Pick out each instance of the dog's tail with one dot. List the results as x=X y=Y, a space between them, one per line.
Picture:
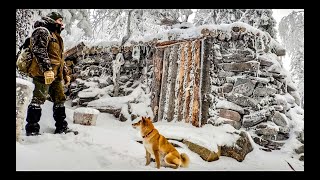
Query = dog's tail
x=184 y=160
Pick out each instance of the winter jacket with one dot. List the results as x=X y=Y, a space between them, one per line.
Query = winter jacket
x=47 y=50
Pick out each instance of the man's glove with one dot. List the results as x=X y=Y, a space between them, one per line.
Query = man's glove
x=67 y=80
x=48 y=77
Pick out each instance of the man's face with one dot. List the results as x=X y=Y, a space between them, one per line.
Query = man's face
x=59 y=21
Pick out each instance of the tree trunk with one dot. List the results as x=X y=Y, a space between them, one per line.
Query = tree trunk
x=180 y=98
x=157 y=62
x=164 y=82
x=187 y=82
x=196 y=87
x=205 y=84
x=127 y=36
x=172 y=82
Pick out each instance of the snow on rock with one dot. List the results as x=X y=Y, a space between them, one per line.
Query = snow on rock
x=86 y=110
x=208 y=136
x=24 y=92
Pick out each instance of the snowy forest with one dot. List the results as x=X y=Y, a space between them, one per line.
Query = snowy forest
x=212 y=82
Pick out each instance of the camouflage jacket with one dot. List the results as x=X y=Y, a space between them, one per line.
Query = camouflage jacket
x=47 y=49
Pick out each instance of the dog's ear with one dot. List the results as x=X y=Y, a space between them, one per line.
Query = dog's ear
x=143 y=118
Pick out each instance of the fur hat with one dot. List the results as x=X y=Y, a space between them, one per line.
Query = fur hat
x=54 y=15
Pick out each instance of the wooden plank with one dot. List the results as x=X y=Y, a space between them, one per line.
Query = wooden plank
x=156 y=84
x=167 y=43
x=196 y=87
x=187 y=83
x=163 y=83
x=172 y=82
x=207 y=54
x=181 y=78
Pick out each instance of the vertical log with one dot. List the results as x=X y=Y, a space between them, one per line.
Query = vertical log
x=187 y=83
x=196 y=87
x=157 y=62
x=205 y=78
x=163 y=83
x=181 y=78
x=172 y=81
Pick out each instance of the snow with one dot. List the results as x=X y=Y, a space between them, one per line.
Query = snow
x=25 y=82
x=87 y=94
x=290 y=99
x=111 y=146
x=116 y=101
x=224 y=104
x=85 y=110
x=140 y=109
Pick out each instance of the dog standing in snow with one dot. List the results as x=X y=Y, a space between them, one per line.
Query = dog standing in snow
x=159 y=147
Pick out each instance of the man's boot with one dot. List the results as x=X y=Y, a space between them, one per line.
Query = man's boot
x=33 y=117
x=59 y=115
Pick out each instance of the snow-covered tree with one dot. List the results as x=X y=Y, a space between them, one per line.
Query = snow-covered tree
x=217 y=16
x=291 y=32
x=79 y=16
x=261 y=19
x=23 y=25
x=112 y=24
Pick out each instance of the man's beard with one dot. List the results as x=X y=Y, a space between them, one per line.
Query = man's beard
x=59 y=28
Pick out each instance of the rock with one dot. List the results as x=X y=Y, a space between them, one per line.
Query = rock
x=204 y=153
x=238 y=67
x=133 y=116
x=284 y=130
x=75 y=102
x=124 y=114
x=280 y=119
x=85 y=116
x=109 y=80
x=268 y=143
x=276 y=137
x=280 y=100
x=301 y=157
x=275 y=69
x=278 y=108
x=235 y=124
x=291 y=87
x=260 y=80
x=238 y=57
x=103 y=84
x=225 y=74
x=289 y=98
x=226 y=88
x=261 y=126
x=243 y=86
x=300 y=149
x=264 y=91
x=111 y=110
x=266 y=131
x=265 y=61
x=129 y=84
x=301 y=137
x=223 y=104
x=296 y=97
x=254 y=118
x=240 y=149
x=229 y=114
x=242 y=100
x=24 y=91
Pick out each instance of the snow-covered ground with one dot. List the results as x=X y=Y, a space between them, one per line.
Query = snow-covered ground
x=111 y=146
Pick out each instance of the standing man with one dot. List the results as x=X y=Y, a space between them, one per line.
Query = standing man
x=48 y=72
